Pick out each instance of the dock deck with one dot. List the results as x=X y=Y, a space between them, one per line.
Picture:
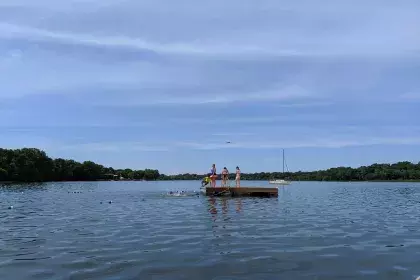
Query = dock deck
x=242 y=191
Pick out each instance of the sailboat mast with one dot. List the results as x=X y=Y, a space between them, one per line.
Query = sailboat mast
x=283 y=161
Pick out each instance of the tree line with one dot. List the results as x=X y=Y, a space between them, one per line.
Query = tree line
x=33 y=165
x=401 y=171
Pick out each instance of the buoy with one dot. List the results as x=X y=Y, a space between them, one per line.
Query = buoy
x=110 y=201
x=10 y=207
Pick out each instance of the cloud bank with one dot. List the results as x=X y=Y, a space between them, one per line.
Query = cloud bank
x=112 y=76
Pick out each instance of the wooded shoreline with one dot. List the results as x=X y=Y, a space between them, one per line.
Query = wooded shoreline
x=33 y=165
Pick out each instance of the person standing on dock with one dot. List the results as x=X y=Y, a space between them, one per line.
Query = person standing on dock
x=238 y=177
x=213 y=175
x=225 y=176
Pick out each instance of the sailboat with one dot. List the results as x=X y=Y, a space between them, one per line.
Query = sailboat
x=280 y=181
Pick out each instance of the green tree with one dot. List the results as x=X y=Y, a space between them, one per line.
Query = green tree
x=3 y=174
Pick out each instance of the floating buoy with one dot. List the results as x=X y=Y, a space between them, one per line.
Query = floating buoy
x=110 y=201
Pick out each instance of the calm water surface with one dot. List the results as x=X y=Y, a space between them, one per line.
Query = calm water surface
x=311 y=231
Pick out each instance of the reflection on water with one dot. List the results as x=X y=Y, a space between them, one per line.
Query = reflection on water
x=212 y=207
x=224 y=202
x=238 y=203
x=311 y=231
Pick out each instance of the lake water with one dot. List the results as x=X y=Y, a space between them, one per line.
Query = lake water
x=312 y=230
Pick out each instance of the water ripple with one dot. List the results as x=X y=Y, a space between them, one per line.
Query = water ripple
x=311 y=231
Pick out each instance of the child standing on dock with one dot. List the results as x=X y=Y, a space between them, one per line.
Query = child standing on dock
x=238 y=177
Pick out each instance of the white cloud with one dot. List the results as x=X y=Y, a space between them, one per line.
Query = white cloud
x=253 y=120
x=85 y=48
x=232 y=134
x=310 y=137
x=338 y=140
x=13 y=120
x=112 y=147
x=240 y=29
x=280 y=93
x=304 y=104
x=307 y=143
x=10 y=31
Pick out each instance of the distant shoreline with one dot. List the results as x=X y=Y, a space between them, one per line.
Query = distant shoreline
x=256 y=180
x=33 y=165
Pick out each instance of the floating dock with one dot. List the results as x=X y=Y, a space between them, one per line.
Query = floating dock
x=242 y=191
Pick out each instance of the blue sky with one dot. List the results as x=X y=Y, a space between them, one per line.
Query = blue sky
x=163 y=84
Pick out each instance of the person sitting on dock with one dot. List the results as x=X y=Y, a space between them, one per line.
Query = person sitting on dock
x=225 y=176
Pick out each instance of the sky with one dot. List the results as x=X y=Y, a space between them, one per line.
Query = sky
x=164 y=84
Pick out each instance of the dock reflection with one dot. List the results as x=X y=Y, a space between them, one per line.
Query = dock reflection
x=224 y=205
x=222 y=211
x=238 y=203
x=212 y=206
